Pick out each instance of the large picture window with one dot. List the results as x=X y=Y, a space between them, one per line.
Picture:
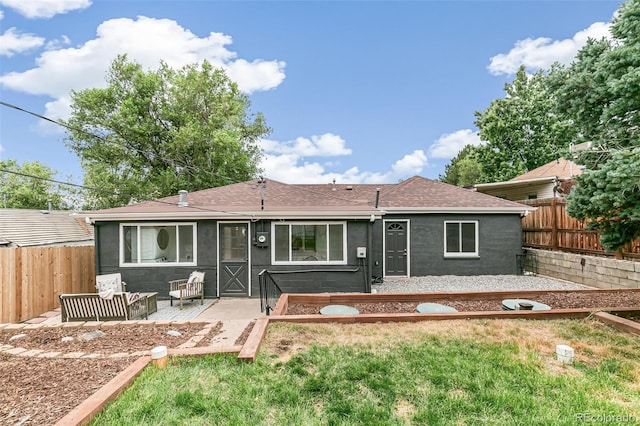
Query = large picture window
x=461 y=239
x=157 y=244
x=310 y=243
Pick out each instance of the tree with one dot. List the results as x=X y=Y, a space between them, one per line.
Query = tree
x=464 y=169
x=601 y=92
x=151 y=134
x=524 y=130
x=609 y=197
x=19 y=190
x=581 y=91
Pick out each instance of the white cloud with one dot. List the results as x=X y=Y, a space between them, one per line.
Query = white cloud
x=542 y=52
x=257 y=75
x=285 y=161
x=12 y=42
x=45 y=8
x=327 y=145
x=448 y=145
x=144 y=40
x=1 y=15
x=58 y=43
x=410 y=164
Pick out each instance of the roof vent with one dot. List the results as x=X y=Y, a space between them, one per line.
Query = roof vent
x=349 y=187
x=182 y=202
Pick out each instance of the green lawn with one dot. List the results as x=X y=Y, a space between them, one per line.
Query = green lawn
x=443 y=373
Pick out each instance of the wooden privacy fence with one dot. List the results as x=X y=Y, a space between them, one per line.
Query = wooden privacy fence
x=31 y=278
x=551 y=228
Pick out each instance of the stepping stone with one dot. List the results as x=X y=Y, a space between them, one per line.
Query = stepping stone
x=514 y=305
x=434 y=308
x=339 y=310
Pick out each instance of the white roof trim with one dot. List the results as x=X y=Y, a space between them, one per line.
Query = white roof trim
x=522 y=182
x=458 y=210
x=163 y=216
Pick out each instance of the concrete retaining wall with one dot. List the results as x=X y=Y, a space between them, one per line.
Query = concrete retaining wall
x=599 y=272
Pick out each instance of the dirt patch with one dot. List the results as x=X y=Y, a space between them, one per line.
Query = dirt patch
x=113 y=339
x=40 y=391
x=571 y=300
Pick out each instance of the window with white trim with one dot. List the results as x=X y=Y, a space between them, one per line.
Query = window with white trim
x=157 y=244
x=461 y=238
x=305 y=242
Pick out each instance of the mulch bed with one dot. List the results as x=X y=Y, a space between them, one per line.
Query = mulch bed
x=573 y=300
x=40 y=391
x=245 y=334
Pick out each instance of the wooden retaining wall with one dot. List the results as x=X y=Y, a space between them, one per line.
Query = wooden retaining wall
x=250 y=349
x=31 y=278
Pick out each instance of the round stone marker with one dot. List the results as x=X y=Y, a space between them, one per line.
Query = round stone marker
x=434 y=308
x=514 y=304
x=339 y=310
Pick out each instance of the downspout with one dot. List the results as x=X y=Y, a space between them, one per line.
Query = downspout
x=96 y=232
x=368 y=268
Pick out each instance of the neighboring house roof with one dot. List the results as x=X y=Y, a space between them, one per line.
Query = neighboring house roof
x=557 y=173
x=276 y=199
x=23 y=228
x=560 y=168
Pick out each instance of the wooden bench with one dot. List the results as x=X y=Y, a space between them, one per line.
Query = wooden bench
x=92 y=307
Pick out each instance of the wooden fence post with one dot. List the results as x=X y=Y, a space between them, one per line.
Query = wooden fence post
x=554 y=225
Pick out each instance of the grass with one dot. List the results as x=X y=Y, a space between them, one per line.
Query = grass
x=434 y=373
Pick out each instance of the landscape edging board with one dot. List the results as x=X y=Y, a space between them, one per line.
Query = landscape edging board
x=90 y=407
x=619 y=323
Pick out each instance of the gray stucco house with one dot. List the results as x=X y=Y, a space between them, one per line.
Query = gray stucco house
x=318 y=238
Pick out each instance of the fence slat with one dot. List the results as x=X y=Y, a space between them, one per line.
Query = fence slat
x=31 y=278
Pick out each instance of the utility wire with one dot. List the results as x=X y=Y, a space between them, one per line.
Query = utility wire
x=104 y=191
x=168 y=161
x=106 y=140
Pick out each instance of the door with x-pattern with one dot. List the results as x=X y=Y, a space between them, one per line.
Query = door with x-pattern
x=234 y=259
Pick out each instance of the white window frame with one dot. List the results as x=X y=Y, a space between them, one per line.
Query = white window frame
x=309 y=262
x=194 y=259
x=475 y=253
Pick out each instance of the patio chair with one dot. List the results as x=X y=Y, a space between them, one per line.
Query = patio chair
x=190 y=288
x=110 y=282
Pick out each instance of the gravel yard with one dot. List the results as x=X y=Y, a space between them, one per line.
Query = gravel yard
x=478 y=283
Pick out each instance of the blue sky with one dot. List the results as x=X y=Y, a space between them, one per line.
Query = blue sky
x=356 y=91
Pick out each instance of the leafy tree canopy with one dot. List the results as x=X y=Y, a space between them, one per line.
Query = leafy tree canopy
x=18 y=190
x=149 y=134
x=464 y=169
x=523 y=130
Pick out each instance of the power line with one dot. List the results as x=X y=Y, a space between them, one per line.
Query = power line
x=155 y=200
x=168 y=161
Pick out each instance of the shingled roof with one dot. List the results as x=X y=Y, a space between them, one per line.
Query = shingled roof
x=560 y=168
x=277 y=199
x=23 y=228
